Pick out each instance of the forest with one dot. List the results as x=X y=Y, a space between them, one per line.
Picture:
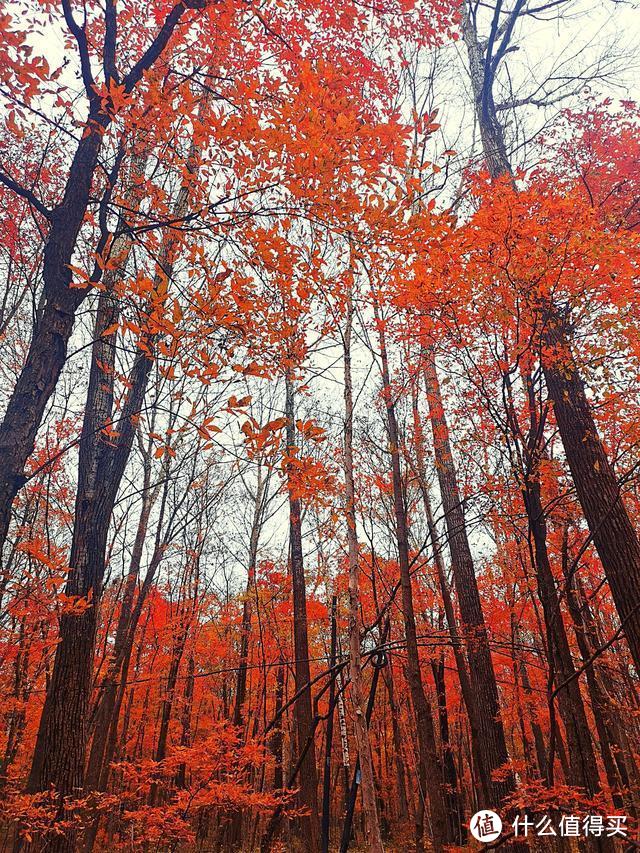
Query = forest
x=320 y=426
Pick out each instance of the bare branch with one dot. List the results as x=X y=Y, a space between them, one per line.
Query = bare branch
x=25 y=193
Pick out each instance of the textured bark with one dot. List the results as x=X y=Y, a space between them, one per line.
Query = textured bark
x=430 y=771
x=456 y=643
x=603 y=712
x=326 y=782
x=597 y=486
x=303 y=711
x=48 y=349
x=492 y=745
x=373 y=838
x=59 y=755
x=491 y=130
x=582 y=759
x=455 y=807
x=245 y=629
x=403 y=805
x=277 y=739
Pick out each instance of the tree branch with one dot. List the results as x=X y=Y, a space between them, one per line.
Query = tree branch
x=110 y=41
x=23 y=192
x=80 y=36
x=160 y=41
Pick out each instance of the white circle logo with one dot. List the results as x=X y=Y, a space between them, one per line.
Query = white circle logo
x=485 y=826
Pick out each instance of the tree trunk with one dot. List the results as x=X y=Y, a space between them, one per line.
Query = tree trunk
x=303 y=711
x=48 y=349
x=491 y=131
x=344 y=738
x=491 y=744
x=617 y=775
x=531 y=704
x=102 y=714
x=455 y=808
x=59 y=754
x=403 y=805
x=597 y=487
x=430 y=771
x=326 y=782
x=277 y=738
x=245 y=630
x=443 y=584
x=167 y=709
x=185 y=736
x=582 y=760
x=373 y=838
x=59 y=758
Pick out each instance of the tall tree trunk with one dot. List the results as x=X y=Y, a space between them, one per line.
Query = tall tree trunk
x=582 y=760
x=430 y=771
x=603 y=713
x=403 y=805
x=167 y=709
x=526 y=745
x=48 y=349
x=303 y=710
x=106 y=713
x=59 y=754
x=583 y=768
x=245 y=630
x=492 y=745
x=326 y=781
x=344 y=738
x=103 y=708
x=373 y=838
x=443 y=584
x=186 y=614
x=16 y=717
x=491 y=130
x=277 y=738
x=455 y=809
x=597 y=486
x=354 y=784
x=522 y=674
x=185 y=735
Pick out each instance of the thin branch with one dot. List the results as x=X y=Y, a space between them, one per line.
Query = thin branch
x=160 y=42
x=80 y=36
x=23 y=192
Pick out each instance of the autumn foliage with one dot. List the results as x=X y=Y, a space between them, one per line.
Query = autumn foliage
x=318 y=461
